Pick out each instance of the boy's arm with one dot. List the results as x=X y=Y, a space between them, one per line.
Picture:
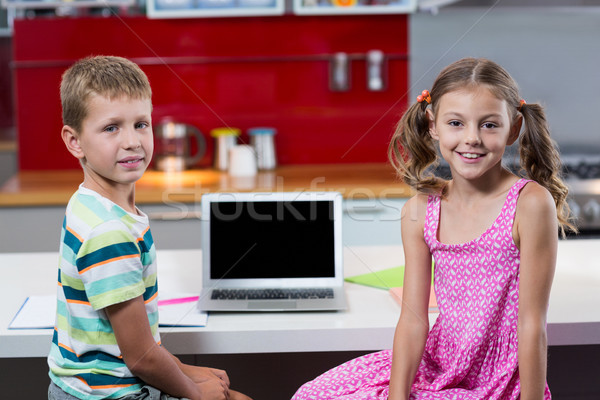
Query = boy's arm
x=413 y=326
x=537 y=238
x=150 y=362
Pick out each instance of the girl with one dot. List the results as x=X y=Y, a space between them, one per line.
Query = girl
x=493 y=238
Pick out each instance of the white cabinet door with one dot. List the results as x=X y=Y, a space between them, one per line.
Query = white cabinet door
x=372 y=221
x=177 y=226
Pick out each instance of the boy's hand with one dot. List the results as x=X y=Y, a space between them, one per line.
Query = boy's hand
x=213 y=389
x=203 y=374
x=233 y=395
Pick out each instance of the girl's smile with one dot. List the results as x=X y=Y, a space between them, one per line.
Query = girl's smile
x=471 y=157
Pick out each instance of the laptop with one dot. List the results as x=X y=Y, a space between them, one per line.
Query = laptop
x=275 y=251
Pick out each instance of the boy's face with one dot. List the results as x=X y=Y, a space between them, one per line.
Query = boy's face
x=115 y=140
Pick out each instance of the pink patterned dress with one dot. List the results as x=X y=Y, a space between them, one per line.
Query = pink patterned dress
x=471 y=351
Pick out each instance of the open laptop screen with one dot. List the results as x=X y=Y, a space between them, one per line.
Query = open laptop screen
x=272 y=239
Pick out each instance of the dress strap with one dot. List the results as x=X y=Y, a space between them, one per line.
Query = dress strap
x=432 y=219
x=510 y=205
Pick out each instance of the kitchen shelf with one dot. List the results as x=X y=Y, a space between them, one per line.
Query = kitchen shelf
x=213 y=8
x=346 y=7
x=34 y=4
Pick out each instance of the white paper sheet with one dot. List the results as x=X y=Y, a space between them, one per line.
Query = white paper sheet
x=39 y=312
x=183 y=310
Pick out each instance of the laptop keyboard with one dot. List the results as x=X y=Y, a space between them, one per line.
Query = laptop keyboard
x=270 y=294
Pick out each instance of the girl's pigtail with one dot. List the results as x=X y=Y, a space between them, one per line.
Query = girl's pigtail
x=412 y=150
x=541 y=162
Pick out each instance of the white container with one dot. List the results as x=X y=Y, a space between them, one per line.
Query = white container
x=242 y=161
x=263 y=142
x=225 y=139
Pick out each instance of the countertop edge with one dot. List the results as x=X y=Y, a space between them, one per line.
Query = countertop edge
x=369 y=181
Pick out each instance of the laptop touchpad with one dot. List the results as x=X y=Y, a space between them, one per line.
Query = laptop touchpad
x=272 y=305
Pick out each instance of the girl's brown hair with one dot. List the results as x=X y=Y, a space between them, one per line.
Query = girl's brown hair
x=412 y=150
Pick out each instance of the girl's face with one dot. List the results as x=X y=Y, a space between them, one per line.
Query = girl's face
x=473 y=128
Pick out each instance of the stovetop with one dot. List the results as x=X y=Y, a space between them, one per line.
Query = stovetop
x=581 y=166
x=582 y=176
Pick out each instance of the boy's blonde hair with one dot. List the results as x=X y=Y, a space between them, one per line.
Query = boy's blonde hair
x=107 y=76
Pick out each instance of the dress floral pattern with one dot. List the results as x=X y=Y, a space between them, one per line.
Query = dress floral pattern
x=471 y=351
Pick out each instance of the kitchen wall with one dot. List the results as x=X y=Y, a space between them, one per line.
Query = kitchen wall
x=6 y=101
x=553 y=53
x=242 y=72
x=554 y=66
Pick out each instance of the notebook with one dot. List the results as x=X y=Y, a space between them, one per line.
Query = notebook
x=275 y=251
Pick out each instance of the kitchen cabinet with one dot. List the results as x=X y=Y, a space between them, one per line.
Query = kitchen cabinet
x=205 y=72
x=345 y=7
x=32 y=204
x=373 y=221
x=242 y=8
x=48 y=4
x=8 y=162
x=177 y=226
x=213 y=8
x=26 y=229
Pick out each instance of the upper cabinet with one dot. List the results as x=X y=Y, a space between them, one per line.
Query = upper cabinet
x=236 y=8
x=213 y=8
x=40 y=4
x=341 y=7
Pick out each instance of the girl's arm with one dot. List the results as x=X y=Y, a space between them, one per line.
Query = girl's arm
x=413 y=325
x=152 y=363
x=536 y=235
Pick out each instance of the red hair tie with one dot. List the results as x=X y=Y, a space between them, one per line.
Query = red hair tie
x=424 y=96
x=521 y=103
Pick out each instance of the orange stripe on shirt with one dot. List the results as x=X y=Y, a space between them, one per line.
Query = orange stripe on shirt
x=70 y=350
x=73 y=301
x=151 y=298
x=74 y=234
x=108 y=261
x=141 y=238
x=123 y=385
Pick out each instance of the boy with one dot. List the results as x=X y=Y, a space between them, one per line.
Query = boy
x=106 y=342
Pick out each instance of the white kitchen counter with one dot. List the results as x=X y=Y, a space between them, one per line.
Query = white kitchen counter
x=573 y=317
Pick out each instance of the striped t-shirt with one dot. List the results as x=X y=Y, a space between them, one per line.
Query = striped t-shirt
x=107 y=256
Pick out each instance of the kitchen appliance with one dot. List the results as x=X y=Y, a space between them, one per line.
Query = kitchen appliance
x=173 y=144
x=263 y=141
x=581 y=173
x=242 y=160
x=375 y=70
x=225 y=138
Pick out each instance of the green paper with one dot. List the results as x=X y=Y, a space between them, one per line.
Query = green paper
x=384 y=279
